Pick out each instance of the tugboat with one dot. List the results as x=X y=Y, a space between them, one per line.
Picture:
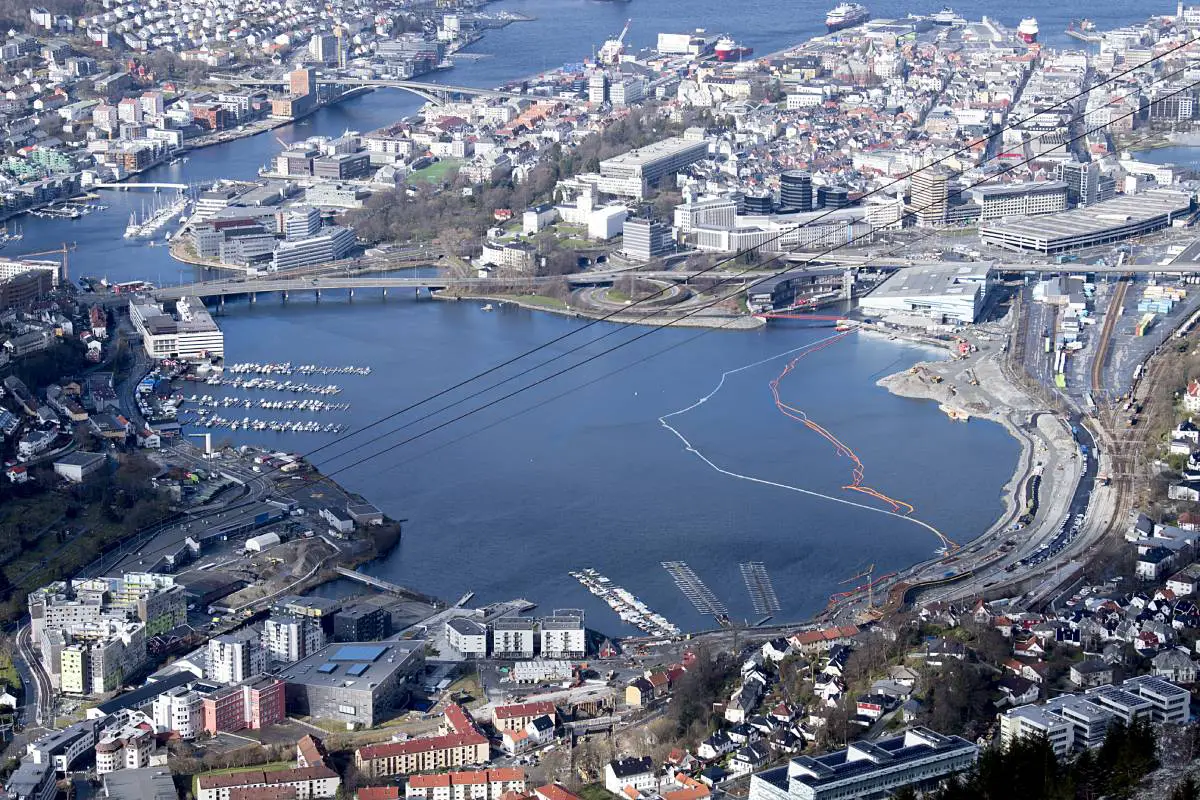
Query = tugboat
x=846 y=15
x=1028 y=30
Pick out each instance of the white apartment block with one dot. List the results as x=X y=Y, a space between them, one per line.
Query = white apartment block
x=289 y=639
x=563 y=635
x=179 y=710
x=512 y=637
x=467 y=637
x=234 y=657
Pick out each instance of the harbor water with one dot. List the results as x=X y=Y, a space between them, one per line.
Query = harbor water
x=507 y=504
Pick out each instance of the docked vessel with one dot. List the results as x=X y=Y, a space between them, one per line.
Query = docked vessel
x=729 y=50
x=846 y=15
x=1084 y=30
x=947 y=16
x=1027 y=31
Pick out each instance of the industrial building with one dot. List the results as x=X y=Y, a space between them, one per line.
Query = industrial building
x=946 y=293
x=187 y=332
x=1103 y=223
x=354 y=682
x=918 y=758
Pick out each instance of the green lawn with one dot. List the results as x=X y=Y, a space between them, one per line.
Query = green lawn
x=435 y=173
x=542 y=300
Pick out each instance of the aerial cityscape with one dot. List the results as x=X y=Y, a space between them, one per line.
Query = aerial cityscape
x=599 y=400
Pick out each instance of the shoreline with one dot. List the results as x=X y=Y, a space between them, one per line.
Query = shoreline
x=740 y=323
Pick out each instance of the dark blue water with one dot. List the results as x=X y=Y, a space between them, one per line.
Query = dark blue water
x=505 y=503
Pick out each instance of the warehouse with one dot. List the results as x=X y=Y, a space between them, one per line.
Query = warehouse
x=353 y=682
x=1109 y=221
x=946 y=293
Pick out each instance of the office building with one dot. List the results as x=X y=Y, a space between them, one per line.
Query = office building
x=632 y=173
x=512 y=637
x=187 y=332
x=795 y=191
x=709 y=212
x=645 y=239
x=918 y=758
x=1083 y=181
x=64 y=748
x=362 y=623
x=833 y=197
x=300 y=222
x=332 y=244
x=1072 y=722
x=253 y=704
x=929 y=193
x=32 y=781
x=563 y=635
x=626 y=91
x=1105 y=222
x=153 y=783
x=287 y=638
x=234 y=657
x=598 y=88
x=1024 y=199
x=342 y=166
x=467 y=637
x=354 y=682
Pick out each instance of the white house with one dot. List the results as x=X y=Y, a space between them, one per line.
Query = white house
x=636 y=772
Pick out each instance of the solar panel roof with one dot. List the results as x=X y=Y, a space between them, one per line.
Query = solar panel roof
x=359 y=652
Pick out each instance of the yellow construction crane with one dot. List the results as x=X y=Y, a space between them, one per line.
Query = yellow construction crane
x=61 y=251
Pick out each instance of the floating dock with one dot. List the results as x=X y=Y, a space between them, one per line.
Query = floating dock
x=759 y=587
x=694 y=589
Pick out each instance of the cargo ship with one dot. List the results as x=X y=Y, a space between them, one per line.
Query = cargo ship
x=846 y=15
x=1028 y=30
x=729 y=50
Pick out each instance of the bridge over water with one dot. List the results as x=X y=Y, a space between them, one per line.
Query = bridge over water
x=434 y=92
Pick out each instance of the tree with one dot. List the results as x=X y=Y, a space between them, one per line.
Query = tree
x=1186 y=790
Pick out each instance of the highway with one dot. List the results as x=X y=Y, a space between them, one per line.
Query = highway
x=39 y=693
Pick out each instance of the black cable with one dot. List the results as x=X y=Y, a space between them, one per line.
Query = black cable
x=625 y=309
x=616 y=312
x=691 y=313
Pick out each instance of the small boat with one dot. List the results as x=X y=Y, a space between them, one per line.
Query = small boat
x=487 y=307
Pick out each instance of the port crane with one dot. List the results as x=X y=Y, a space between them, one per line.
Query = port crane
x=612 y=50
x=60 y=251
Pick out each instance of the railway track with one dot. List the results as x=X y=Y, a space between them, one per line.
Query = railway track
x=1110 y=322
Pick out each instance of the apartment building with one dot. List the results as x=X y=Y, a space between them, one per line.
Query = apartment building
x=488 y=784
x=234 y=657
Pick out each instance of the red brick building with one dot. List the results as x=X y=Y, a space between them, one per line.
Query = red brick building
x=254 y=704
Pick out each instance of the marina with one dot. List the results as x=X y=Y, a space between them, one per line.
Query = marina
x=208 y=401
x=695 y=590
x=759 y=587
x=204 y=420
x=161 y=217
x=67 y=210
x=271 y=385
x=286 y=368
x=628 y=607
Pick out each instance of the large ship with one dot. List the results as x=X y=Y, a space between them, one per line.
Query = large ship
x=1027 y=31
x=846 y=15
x=1084 y=30
x=729 y=50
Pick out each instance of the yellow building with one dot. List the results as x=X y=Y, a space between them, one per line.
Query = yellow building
x=74 y=670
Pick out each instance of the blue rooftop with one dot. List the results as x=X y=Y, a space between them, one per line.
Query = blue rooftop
x=327 y=668
x=357 y=669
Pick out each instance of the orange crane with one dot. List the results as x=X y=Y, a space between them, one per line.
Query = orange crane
x=61 y=251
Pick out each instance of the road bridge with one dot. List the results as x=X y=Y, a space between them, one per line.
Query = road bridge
x=438 y=93
x=125 y=185
x=386 y=586
x=482 y=286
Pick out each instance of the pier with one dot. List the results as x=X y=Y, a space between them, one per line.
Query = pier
x=386 y=586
